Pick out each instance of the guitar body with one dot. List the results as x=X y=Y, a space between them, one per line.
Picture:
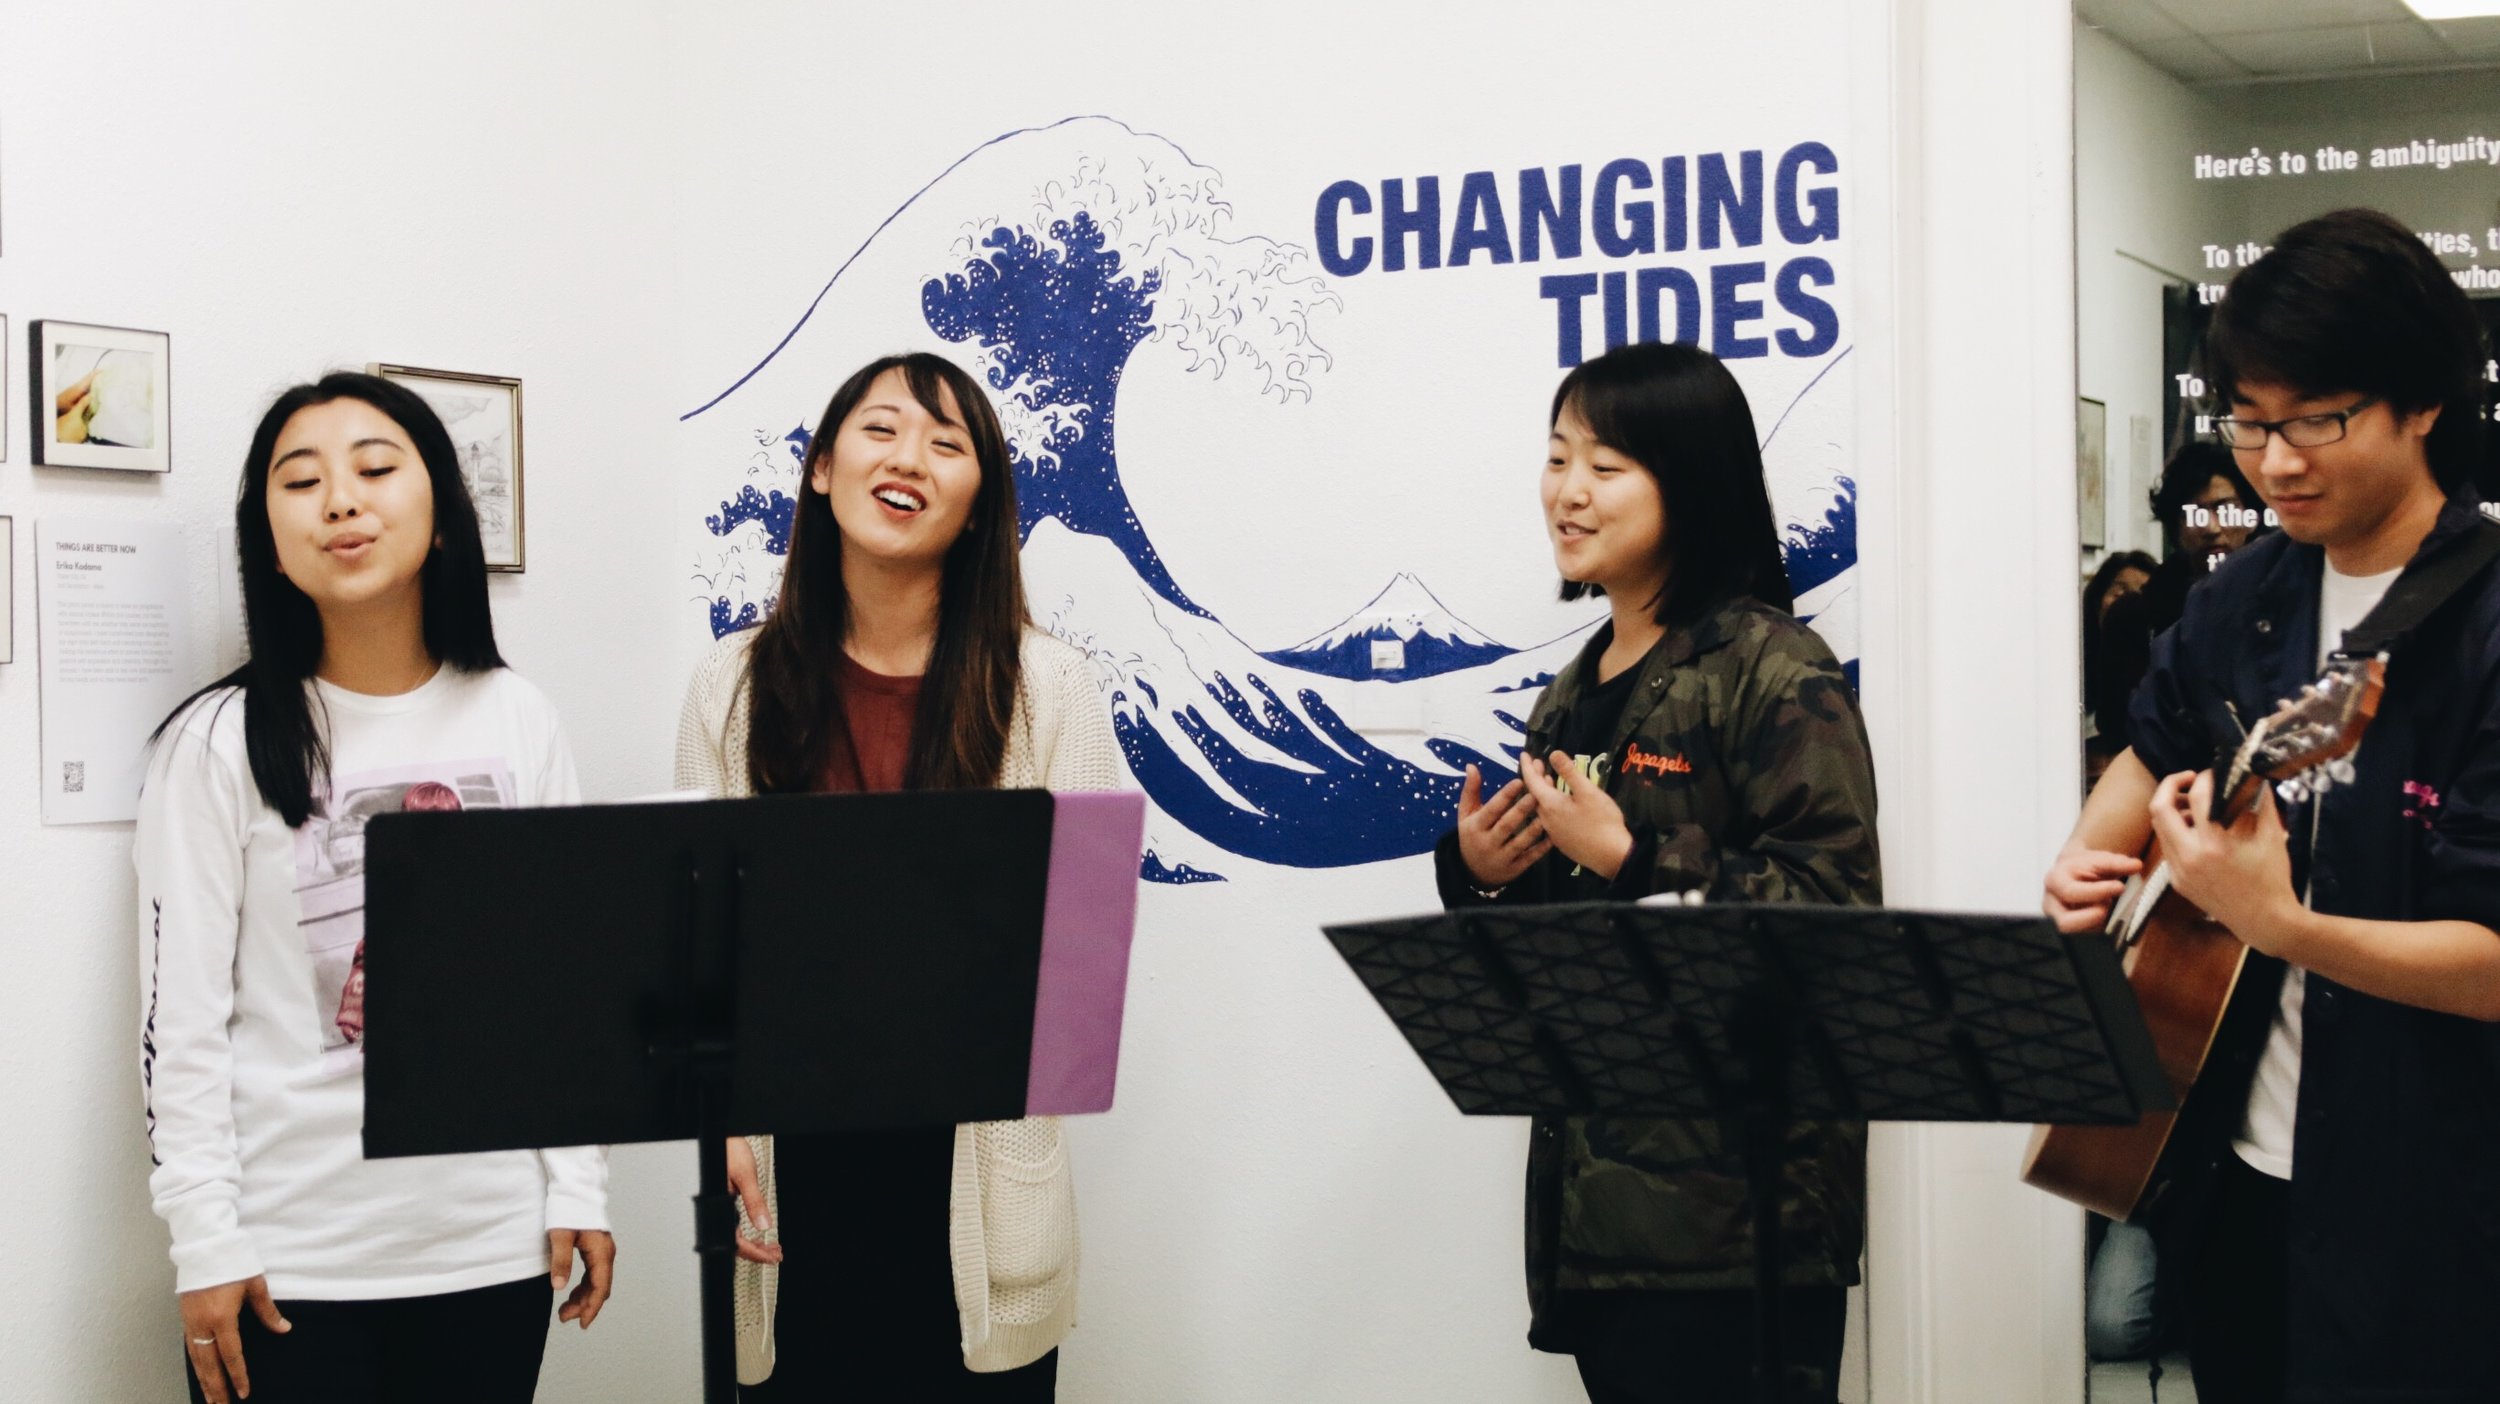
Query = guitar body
x=2184 y=968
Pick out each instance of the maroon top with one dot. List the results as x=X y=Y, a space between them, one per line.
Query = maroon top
x=880 y=711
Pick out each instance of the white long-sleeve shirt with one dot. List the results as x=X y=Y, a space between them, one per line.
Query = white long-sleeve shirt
x=252 y=1004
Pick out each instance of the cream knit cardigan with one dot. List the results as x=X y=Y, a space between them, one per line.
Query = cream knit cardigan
x=1011 y=1225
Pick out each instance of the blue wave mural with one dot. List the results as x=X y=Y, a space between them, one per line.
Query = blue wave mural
x=1060 y=321
x=1249 y=750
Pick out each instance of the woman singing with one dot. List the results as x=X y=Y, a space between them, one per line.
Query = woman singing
x=934 y=1263
x=307 y=1272
x=1704 y=744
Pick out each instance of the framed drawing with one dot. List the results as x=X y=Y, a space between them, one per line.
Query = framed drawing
x=483 y=415
x=102 y=397
x=2092 y=471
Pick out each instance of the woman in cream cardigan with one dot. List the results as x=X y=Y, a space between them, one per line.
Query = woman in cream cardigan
x=937 y=1263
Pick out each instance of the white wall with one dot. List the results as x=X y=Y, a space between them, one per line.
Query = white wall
x=513 y=191
x=2140 y=225
x=1976 y=1282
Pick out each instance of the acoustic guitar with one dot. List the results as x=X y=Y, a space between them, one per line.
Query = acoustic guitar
x=2184 y=966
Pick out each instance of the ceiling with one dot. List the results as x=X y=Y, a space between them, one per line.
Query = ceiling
x=2273 y=41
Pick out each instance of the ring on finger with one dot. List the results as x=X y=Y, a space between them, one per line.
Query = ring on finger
x=197 y=1341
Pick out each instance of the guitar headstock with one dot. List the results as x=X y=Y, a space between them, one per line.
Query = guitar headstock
x=2306 y=744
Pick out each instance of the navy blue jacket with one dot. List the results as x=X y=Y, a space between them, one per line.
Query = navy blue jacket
x=2395 y=1198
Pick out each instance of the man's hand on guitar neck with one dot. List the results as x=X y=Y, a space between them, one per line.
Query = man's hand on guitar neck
x=2239 y=874
x=2081 y=885
x=2099 y=857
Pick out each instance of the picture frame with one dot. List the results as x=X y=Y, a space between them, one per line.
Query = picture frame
x=2092 y=472
x=100 y=397
x=483 y=415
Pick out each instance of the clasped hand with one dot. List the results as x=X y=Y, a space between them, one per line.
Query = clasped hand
x=598 y=1253
x=1499 y=838
x=755 y=1244
x=1584 y=822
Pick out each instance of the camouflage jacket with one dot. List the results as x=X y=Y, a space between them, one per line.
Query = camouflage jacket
x=1742 y=767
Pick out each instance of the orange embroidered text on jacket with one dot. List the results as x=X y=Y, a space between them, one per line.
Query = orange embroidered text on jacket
x=1636 y=761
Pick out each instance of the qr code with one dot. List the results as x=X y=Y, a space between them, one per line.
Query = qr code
x=73 y=777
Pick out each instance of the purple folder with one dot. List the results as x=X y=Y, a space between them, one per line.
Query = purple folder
x=1087 y=921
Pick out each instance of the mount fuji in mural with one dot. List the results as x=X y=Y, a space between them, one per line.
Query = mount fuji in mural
x=1347 y=747
x=1422 y=638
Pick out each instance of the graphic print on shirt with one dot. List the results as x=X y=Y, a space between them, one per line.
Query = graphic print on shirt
x=1595 y=767
x=330 y=878
x=147 y=1030
x=2421 y=804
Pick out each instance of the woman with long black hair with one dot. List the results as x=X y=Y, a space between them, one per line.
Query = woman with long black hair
x=373 y=684
x=1704 y=744
x=938 y=1263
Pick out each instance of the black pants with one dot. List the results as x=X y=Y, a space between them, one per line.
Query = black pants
x=1698 y=1347
x=477 y=1347
x=2238 y=1320
x=867 y=1303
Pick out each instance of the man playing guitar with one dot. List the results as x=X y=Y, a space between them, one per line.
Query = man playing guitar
x=2340 y=1225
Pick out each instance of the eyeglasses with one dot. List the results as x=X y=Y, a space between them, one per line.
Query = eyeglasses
x=2307 y=431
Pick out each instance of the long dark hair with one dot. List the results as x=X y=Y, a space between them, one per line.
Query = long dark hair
x=2354 y=301
x=797 y=731
x=2093 y=589
x=282 y=626
x=2104 y=577
x=1674 y=409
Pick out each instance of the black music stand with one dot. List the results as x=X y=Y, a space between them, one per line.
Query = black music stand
x=654 y=972
x=1751 y=1015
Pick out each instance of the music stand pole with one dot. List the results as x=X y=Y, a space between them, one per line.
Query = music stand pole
x=1758 y=1124
x=709 y=1051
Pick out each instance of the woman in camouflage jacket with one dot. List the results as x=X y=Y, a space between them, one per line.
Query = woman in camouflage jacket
x=1721 y=755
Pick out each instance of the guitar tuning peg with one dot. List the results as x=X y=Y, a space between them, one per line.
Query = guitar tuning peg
x=2321 y=782
x=2292 y=792
x=2342 y=769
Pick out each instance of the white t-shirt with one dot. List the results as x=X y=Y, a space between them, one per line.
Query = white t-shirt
x=2265 y=1139
x=252 y=1004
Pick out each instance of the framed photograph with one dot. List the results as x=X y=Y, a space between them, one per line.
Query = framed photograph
x=2092 y=472
x=102 y=397
x=483 y=413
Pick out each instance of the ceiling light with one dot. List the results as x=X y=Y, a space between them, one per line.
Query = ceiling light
x=2453 y=9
